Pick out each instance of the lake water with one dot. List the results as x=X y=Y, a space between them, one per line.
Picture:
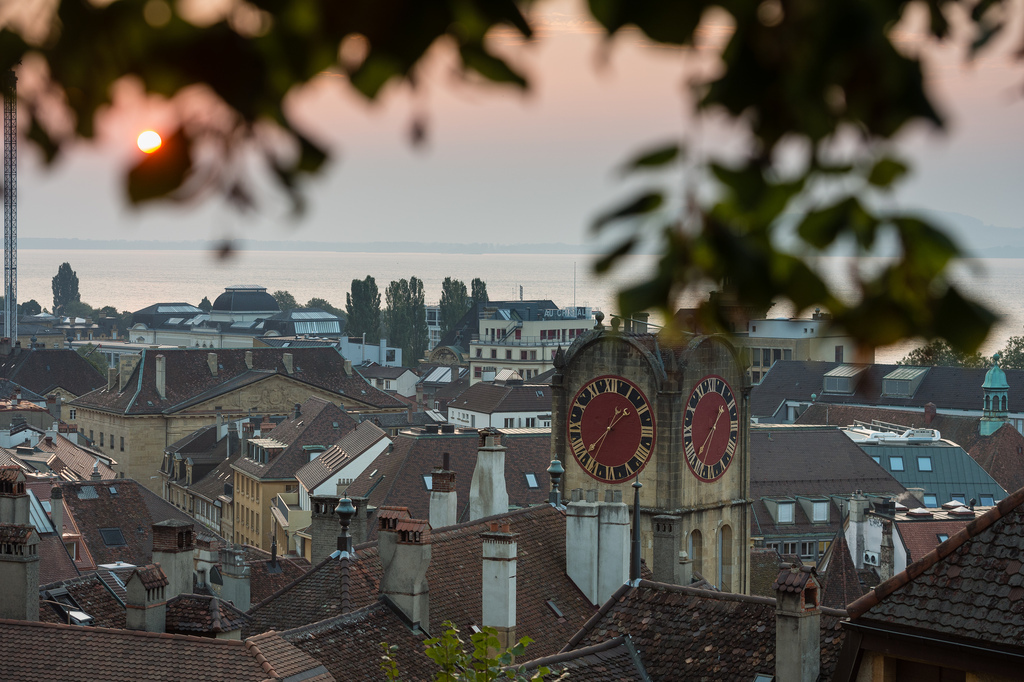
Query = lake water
x=131 y=280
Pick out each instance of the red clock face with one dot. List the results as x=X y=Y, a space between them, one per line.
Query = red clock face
x=710 y=428
x=611 y=429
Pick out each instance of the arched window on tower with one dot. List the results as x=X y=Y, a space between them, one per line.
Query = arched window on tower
x=988 y=402
x=1003 y=401
x=695 y=548
x=725 y=560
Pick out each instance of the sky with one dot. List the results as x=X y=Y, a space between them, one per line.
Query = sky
x=501 y=166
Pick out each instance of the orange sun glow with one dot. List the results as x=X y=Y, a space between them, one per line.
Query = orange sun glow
x=149 y=141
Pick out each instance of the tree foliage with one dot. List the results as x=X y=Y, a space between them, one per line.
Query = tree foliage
x=483 y=660
x=205 y=305
x=324 y=305
x=405 y=319
x=938 y=353
x=362 y=305
x=478 y=290
x=97 y=360
x=419 y=334
x=792 y=77
x=285 y=300
x=1012 y=354
x=31 y=307
x=65 y=288
x=454 y=303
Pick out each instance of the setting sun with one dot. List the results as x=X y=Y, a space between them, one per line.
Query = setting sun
x=149 y=141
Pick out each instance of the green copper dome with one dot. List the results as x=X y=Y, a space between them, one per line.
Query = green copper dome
x=996 y=377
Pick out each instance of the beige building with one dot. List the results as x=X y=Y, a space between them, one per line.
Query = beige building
x=157 y=398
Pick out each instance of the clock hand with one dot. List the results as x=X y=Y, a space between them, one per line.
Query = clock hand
x=711 y=433
x=619 y=414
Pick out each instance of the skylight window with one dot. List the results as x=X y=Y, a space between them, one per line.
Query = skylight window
x=112 y=537
x=931 y=500
x=924 y=463
x=942 y=537
x=959 y=497
x=987 y=500
x=428 y=481
x=896 y=463
x=531 y=481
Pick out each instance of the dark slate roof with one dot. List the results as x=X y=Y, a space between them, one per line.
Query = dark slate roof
x=245 y=298
x=487 y=398
x=382 y=371
x=11 y=389
x=616 y=659
x=349 y=645
x=133 y=510
x=199 y=614
x=950 y=388
x=454 y=578
x=398 y=420
x=970 y=588
x=396 y=476
x=319 y=423
x=998 y=454
x=682 y=632
x=44 y=370
x=81 y=653
x=787 y=461
x=841 y=584
x=189 y=380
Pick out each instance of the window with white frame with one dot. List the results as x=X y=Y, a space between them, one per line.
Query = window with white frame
x=820 y=511
x=786 y=513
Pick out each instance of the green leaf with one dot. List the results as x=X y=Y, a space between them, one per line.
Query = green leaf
x=606 y=261
x=489 y=66
x=886 y=171
x=645 y=203
x=653 y=158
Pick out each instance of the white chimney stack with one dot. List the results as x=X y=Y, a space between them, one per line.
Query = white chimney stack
x=161 y=377
x=444 y=507
x=487 y=493
x=498 y=597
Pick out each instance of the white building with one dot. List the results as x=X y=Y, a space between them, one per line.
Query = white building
x=507 y=406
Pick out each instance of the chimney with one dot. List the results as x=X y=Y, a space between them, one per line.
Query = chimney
x=235 y=578
x=57 y=510
x=498 y=594
x=173 y=542
x=19 y=542
x=111 y=378
x=146 y=605
x=797 y=624
x=444 y=509
x=858 y=523
x=296 y=411
x=410 y=413
x=126 y=365
x=612 y=545
x=211 y=362
x=95 y=476
x=929 y=413
x=161 y=377
x=5 y=346
x=358 y=527
x=419 y=396
x=53 y=403
x=348 y=368
x=287 y=360
x=404 y=546
x=323 y=528
x=581 y=538
x=684 y=569
x=244 y=436
x=248 y=359
x=666 y=548
x=886 y=560
x=487 y=493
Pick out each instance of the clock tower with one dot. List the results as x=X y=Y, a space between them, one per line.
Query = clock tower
x=676 y=414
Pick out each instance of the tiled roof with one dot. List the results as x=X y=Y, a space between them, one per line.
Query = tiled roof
x=950 y=388
x=764 y=568
x=32 y=650
x=152 y=576
x=454 y=578
x=970 y=587
x=263 y=582
x=787 y=461
x=189 y=380
x=396 y=476
x=488 y=398
x=382 y=371
x=74 y=462
x=841 y=583
x=132 y=509
x=45 y=369
x=616 y=659
x=189 y=614
x=91 y=594
x=998 y=454
x=319 y=423
x=686 y=633
x=54 y=561
x=281 y=660
x=349 y=645
x=330 y=461
x=921 y=537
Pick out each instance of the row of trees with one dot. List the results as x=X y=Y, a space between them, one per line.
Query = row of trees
x=403 y=320
x=938 y=353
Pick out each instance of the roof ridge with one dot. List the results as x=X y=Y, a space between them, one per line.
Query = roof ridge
x=261 y=660
x=971 y=530
x=563 y=656
x=353 y=616
x=121 y=632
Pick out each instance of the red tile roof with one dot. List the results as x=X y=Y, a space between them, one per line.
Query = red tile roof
x=152 y=576
x=331 y=460
x=190 y=614
x=91 y=595
x=454 y=578
x=43 y=370
x=841 y=583
x=611 y=661
x=189 y=380
x=921 y=537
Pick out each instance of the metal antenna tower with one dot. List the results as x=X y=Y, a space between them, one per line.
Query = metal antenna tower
x=10 y=88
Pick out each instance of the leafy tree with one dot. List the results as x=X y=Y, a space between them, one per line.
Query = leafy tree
x=397 y=317
x=791 y=75
x=454 y=303
x=478 y=289
x=362 y=305
x=205 y=305
x=31 y=307
x=419 y=333
x=483 y=662
x=285 y=300
x=88 y=351
x=325 y=306
x=938 y=353
x=79 y=309
x=1012 y=354
x=123 y=319
x=65 y=287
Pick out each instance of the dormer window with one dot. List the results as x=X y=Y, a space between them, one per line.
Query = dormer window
x=785 y=514
x=820 y=512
